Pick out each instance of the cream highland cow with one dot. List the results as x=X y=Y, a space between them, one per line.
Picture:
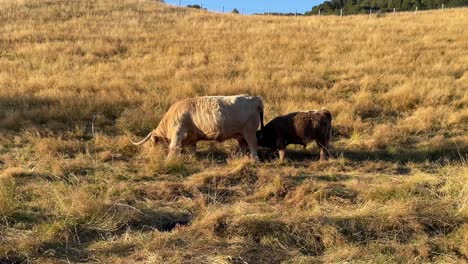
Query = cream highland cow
x=210 y=118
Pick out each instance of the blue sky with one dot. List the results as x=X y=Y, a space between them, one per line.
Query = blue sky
x=252 y=6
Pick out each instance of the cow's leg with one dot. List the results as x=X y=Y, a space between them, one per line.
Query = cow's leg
x=176 y=143
x=174 y=150
x=251 y=139
x=242 y=145
x=323 y=146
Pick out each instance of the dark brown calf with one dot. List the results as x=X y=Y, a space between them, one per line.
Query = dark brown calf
x=297 y=128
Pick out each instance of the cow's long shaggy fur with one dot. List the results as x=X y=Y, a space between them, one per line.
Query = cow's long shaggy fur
x=210 y=118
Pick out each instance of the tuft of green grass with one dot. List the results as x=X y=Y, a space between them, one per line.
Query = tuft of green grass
x=8 y=197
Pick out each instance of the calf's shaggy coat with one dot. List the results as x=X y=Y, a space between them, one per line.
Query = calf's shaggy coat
x=298 y=128
x=210 y=118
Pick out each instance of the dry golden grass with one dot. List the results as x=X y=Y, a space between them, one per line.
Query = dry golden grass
x=79 y=79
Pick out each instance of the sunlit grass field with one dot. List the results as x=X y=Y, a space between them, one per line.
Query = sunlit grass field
x=79 y=79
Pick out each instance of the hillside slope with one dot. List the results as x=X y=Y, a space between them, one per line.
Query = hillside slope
x=79 y=79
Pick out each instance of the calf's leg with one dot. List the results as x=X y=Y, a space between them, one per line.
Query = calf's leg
x=281 y=146
x=323 y=146
x=191 y=149
x=282 y=153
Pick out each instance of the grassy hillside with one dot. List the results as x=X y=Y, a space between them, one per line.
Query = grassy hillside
x=79 y=79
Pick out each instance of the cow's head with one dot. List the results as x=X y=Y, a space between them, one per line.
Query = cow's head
x=156 y=140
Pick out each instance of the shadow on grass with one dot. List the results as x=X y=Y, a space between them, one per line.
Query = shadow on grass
x=429 y=219
x=337 y=177
x=160 y=220
x=258 y=253
x=407 y=155
x=295 y=155
x=215 y=154
x=13 y=259
x=401 y=155
x=74 y=247
x=366 y=229
x=56 y=115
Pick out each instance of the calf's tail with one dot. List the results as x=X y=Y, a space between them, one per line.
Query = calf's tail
x=327 y=113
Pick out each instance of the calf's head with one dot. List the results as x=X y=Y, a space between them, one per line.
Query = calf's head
x=260 y=140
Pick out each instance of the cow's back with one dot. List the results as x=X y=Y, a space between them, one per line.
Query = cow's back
x=221 y=117
x=211 y=117
x=237 y=112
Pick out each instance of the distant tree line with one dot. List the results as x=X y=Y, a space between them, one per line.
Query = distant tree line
x=279 y=14
x=333 y=7
x=196 y=7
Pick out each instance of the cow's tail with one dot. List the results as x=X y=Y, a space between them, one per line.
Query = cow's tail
x=329 y=117
x=261 y=117
x=261 y=121
x=142 y=141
